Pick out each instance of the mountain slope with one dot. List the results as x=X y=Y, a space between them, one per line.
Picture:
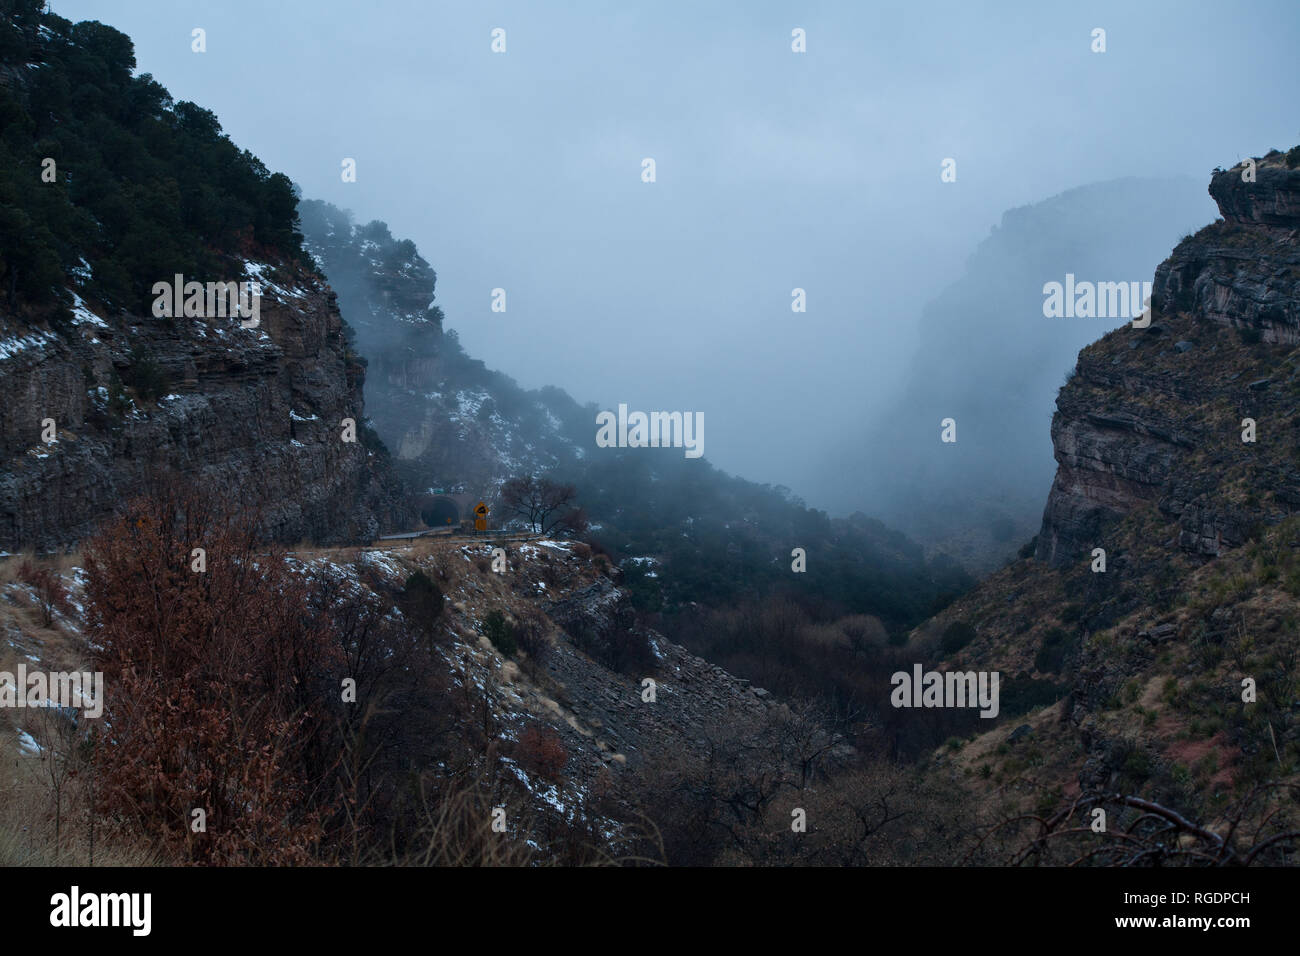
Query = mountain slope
x=1173 y=669
x=459 y=429
x=991 y=360
x=450 y=422
x=108 y=188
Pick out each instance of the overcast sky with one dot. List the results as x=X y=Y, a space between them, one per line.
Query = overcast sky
x=775 y=170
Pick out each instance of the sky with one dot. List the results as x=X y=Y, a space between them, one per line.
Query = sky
x=774 y=170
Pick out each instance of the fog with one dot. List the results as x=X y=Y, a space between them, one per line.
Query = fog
x=774 y=171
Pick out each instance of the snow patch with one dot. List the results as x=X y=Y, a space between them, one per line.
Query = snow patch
x=15 y=344
x=81 y=314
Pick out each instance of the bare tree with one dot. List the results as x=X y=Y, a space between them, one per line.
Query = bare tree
x=59 y=736
x=1141 y=832
x=47 y=583
x=546 y=505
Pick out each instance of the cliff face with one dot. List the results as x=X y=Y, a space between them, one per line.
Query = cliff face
x=1247 y=274
x=994 y=363
x=1178 y=455
x=253 y=413
x=450 y=422
x=109 y=187
x=1157 y=414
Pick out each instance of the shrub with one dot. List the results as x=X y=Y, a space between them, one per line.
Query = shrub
x=501 y=633
x=957 y=636
x=1292 y=582
x=118 y=401
x=146 y=376
x=621 y=648
x=1137 y=765
x=541 y=750
x=1020 y=695
x=51 y=595
x=422 y=601
x=222 y=681
x=629 y=651
x=1051 y=655
x=531 y=638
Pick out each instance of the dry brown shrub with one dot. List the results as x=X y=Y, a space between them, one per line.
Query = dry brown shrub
x=541 y=750
x=214 y=681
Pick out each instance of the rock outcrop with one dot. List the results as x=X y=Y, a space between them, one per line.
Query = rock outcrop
x=993 y=362
x=1159 y=414
x=1178 y=457
x=450 y=422
x=109 y=188
x=254 y=414
x=1245 y=271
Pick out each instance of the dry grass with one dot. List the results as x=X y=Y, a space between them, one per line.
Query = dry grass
x=27 y=826
x=27 y=817
x=10 y=566
x=457 y=828
x=63 y=563
x=57 y=646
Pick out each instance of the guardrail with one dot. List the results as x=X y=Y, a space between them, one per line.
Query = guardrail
x=409 y=538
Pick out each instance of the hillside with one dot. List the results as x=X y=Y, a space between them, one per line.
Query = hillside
x=108 y=188
x=520 y=682
x=451 y=423
x=534 y=690
x=458 y=430
x=1141 y=666
x=219 y=397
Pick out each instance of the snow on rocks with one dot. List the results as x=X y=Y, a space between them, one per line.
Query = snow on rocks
x=20 y=343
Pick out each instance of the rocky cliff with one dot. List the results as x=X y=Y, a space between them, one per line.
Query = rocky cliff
x=1158 y=414
x=256 y=413
x=450 y=422
x=1169 y=671
x=993 y=362
x=109 y=188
